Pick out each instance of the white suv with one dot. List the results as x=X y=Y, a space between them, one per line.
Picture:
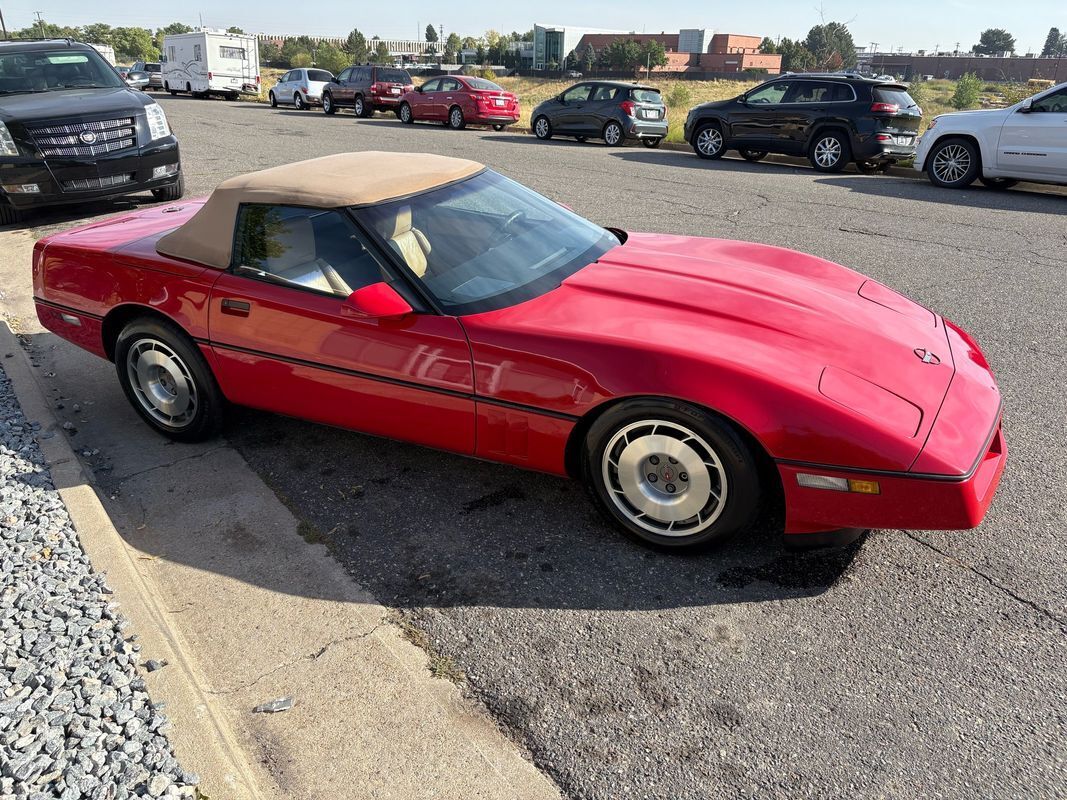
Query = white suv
x=300 y=87
x=1024 y=142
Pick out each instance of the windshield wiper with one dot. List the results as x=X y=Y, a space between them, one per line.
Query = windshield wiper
x=21 y=91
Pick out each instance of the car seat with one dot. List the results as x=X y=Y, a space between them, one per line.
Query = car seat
x=409 y=242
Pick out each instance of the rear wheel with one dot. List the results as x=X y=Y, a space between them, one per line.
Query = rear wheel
x=405 y=114
x=829 y=152
x=273 y=100
x=542 y=128
x=953 y=164
x=298 y=101
x=613 y=134
x=997 y=183
x=671 y=475
x=167 y=381
x=327 y=103
x=170 y=193
x=708 y=142
x=455 y=119
x=9 y=215
x=361 y=108
x=753 y=155
x=651 y=143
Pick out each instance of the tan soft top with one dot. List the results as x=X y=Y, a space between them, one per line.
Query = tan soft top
x=346 y=179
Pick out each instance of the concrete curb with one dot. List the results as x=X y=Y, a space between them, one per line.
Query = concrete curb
x=203 y=741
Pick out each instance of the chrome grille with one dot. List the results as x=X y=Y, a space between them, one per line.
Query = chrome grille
x=64 y=140
x=86 y=184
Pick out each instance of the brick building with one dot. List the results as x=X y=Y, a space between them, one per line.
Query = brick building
x=1016 y=69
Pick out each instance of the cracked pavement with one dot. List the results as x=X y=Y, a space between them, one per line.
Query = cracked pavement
x=911 y=664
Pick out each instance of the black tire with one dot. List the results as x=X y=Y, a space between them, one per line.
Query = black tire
x=499 y=128
x=406 y=115
x=753 y=155
x=953 y=163
x=613 y=134
x=651 y=143
x=456 y=120
x=709 y=141
x=189 y=88
x=298 y=101
x=542 y=128
x=328 y=106
x=169 y=194
x=740 y=472
x=829 y=151
x=273 y=100
x=581 y=139
x=997 y=183
x=206 y=419
x=361 y=108
x=9 y=215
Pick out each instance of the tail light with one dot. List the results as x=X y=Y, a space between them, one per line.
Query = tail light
x=304 y=89
x=627 y=107
x=209 y=76
x=257 y=80
x=885 y=108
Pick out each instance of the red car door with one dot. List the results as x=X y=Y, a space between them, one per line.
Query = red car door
x=282 y=343
x=424 y=107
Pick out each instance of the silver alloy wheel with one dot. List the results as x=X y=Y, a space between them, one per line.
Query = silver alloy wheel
x=405 y=113
x=951 y=163
x=162 y=382
x=327 y=103
x=664 y=478
x=359 y=106
x=541 y=128
x=827 y=151
x=298 y=101
x=613 y=133
x=709 y=141
x=455 y=118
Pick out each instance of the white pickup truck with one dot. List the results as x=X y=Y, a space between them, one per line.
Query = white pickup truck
x=999 y=147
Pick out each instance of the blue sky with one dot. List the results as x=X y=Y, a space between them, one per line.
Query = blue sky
x=912 y=24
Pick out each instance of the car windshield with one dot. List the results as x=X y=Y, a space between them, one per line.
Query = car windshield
x=482 y=83
x=486 y=242
x=153 y=68
x=646 y=96
x=319 y=75
x=53 y=70
x=393 y=76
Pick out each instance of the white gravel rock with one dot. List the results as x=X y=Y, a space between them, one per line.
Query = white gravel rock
x=76 y=722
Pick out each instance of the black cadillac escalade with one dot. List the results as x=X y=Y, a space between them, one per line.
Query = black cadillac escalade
x=71 y=130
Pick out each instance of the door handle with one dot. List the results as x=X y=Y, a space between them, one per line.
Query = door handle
x=236 y=308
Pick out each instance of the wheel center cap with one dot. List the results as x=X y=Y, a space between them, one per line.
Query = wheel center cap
x=666 y=473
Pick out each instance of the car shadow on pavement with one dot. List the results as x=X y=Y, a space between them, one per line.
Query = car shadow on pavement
x=92 y=211
x=1024 y=197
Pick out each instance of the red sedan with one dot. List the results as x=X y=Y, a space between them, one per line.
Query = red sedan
x=457 y=100
x=689 y=382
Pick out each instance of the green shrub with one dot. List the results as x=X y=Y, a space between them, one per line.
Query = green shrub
x=488 y=74
x=300 y=60
x=920 y=93
x=967 y=90
x=1013 y=93
x=679 y=96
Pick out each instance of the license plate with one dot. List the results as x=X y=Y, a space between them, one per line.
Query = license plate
x=498 y=101
x=394 y=90
x=649 y=114
x=903 y=140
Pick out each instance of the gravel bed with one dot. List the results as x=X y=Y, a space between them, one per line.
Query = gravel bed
x=75 y=718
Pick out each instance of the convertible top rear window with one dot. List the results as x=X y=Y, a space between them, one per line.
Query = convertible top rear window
x=485 y=242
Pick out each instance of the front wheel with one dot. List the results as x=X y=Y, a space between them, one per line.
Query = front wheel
x=168 y=194
x=167 y=381
x=997 y=183
x=405 y=114
x=542 y=128
x=830 y=152
x=753 y=155
x=671 y=475
x=613 y=134
x=708 y=142
x=953 y=164
x=455 y=119
x=273 y=100
x=651 y=143
x=327 y=104
x=298 y=101
x=9 y=215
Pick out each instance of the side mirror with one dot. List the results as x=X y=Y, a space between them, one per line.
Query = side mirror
x=1026 y=108
x=418 y=89
x=377 y=301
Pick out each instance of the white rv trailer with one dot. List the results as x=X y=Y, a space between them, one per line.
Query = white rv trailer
x=106 y=50
x=207 y=62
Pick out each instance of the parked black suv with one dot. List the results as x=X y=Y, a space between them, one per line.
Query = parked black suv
x=72 y=130
x=831 y=118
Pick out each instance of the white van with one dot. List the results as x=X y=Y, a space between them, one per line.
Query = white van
x=207 y=62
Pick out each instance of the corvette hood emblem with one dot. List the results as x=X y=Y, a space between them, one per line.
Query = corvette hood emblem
x=926 y=356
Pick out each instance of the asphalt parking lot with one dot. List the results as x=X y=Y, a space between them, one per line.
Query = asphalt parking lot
x=911 y=664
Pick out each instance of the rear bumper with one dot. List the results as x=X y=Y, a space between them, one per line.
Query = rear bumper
x=645 y=129
x=386 y=100
x=74 y=180
x=873 y=149
x=502 y=118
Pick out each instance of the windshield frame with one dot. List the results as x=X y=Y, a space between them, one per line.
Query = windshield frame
x=522 y=293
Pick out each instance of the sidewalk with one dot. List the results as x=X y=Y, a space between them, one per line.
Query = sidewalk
x=211 y=567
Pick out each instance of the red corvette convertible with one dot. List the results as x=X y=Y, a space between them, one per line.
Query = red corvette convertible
x=687 y=381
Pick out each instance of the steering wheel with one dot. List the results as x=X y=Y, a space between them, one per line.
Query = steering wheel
x=503 y=232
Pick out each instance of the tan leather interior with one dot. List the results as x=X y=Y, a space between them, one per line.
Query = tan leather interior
x=410 y=243
x=297 y=262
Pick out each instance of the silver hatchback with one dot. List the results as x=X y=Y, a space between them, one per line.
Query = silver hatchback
x=300 y=87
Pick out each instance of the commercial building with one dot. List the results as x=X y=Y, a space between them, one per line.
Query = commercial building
x=1016 y=69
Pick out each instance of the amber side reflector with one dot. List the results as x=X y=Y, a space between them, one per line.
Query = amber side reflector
x=864 y=487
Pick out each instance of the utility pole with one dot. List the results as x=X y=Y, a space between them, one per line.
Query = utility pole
x=40 y=22
x=2 y=23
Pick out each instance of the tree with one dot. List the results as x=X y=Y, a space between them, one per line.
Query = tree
x=330 y=57
x=653 y=54
x=831 y=46
x=382 y=54
x=795 y=56
x=47 y=29
x=234 y=29
x=480 y=56
x=967 y=90
x=624 y=54
x=269 y=52
x=97 y=33
x=134 y=44
x=1055 y=44
x=171 y=30
x=356 y=47
x=768 y=46
x=431 y=34
x=300 y=59
x=453 y=44
x=469 y=43
x=994 y=41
